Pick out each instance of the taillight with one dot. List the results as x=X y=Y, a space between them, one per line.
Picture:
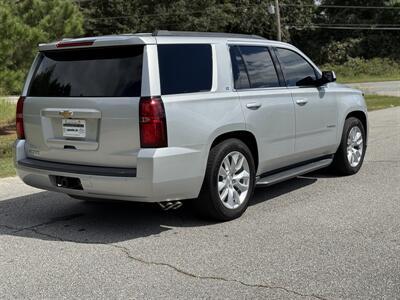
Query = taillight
x=19 y=118
x=153 y=125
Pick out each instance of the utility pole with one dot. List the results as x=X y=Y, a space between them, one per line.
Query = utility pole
x=278 y=21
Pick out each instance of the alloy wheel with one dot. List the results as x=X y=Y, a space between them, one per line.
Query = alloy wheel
x=355 y=145
x=233 y=180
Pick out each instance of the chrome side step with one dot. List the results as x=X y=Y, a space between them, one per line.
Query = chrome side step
x=287 y=174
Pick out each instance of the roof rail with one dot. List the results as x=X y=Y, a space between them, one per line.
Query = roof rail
x=205 y=34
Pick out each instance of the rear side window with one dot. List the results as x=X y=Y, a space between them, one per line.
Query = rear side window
x=95 y=72
x=295 y=68
x=185 y=68
x=258 y=64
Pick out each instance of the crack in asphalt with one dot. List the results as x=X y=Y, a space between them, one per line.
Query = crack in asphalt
x=48 y=235
x=186 y=273
x=34 y=227
x=360 y=233
x=127 y=253
x=9 y=227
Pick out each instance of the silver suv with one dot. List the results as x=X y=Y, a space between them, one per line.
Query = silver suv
x=168 y=116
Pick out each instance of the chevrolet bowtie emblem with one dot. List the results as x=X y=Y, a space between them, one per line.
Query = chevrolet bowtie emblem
x=66 y=113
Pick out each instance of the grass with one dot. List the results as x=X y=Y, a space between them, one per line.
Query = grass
x=362 y=70
x=375 y=102
x=7 y=167
x=7 y=113
x=7 y=139
x=8 y=136
x=367 y=78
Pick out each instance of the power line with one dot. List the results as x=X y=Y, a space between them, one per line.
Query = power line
x=346 y=25
x=303 y=5
x=301 y=27
x=340 y=6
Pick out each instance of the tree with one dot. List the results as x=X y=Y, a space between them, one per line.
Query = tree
x=240 y=16
x=23 y=25
x=360 y=42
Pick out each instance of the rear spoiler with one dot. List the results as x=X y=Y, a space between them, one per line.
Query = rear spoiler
x=103 y=41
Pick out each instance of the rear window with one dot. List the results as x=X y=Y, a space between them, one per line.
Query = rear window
x=96 y=72
x=253 y=67
x=185 y=68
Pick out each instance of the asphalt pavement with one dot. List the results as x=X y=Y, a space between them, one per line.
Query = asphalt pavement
x=314 y=237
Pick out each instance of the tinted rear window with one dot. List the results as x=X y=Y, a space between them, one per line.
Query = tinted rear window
x=96 y=72
x=260 y=67
x=185 y=68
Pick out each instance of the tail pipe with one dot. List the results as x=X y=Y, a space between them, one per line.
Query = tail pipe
x=170 y=205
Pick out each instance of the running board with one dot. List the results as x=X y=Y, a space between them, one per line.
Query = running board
x=287 y=174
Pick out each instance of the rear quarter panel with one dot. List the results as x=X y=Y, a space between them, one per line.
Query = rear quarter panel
x=195 y=121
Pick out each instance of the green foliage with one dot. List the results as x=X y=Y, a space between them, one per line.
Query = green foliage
x=23 y=25
x=245 y=16
x=371 y=43
x=359 y=69
x=336 y=44
x=7 y=113
x=340 y=51
x=7 y=137
x=6 y=167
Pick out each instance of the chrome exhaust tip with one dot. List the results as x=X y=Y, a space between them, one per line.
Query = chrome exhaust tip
x=168 y=205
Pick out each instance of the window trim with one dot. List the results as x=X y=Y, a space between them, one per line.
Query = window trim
x=231 y=65
x=282 y=84
x=316 y=70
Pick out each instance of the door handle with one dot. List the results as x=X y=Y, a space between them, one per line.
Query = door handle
x=301 y=101
x=253 y=105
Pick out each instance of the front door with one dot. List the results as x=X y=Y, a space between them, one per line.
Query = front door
x=315 y=107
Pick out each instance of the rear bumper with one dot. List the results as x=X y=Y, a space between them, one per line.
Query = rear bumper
x=172 y=173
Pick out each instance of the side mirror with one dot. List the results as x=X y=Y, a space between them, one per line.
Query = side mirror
x=327 y=76
x=307 y=81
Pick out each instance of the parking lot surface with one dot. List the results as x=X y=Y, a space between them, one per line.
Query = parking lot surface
x=314 y=237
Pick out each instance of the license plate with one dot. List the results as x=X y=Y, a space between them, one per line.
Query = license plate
x=74 y=128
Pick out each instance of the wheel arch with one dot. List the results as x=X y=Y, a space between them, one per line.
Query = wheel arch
x=243 y=135
x=362 y=116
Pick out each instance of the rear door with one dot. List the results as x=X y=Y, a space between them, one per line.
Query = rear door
x=316 y=109
x=82 y=106
x=267 y=105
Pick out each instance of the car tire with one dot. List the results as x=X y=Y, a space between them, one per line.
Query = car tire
x=229 y=181
x=350 y=155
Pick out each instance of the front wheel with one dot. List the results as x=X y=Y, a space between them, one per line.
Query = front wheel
x=229 y=181
x=350 y=154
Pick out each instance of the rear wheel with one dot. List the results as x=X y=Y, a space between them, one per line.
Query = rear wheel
x=350 y=154
x=229 y=181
